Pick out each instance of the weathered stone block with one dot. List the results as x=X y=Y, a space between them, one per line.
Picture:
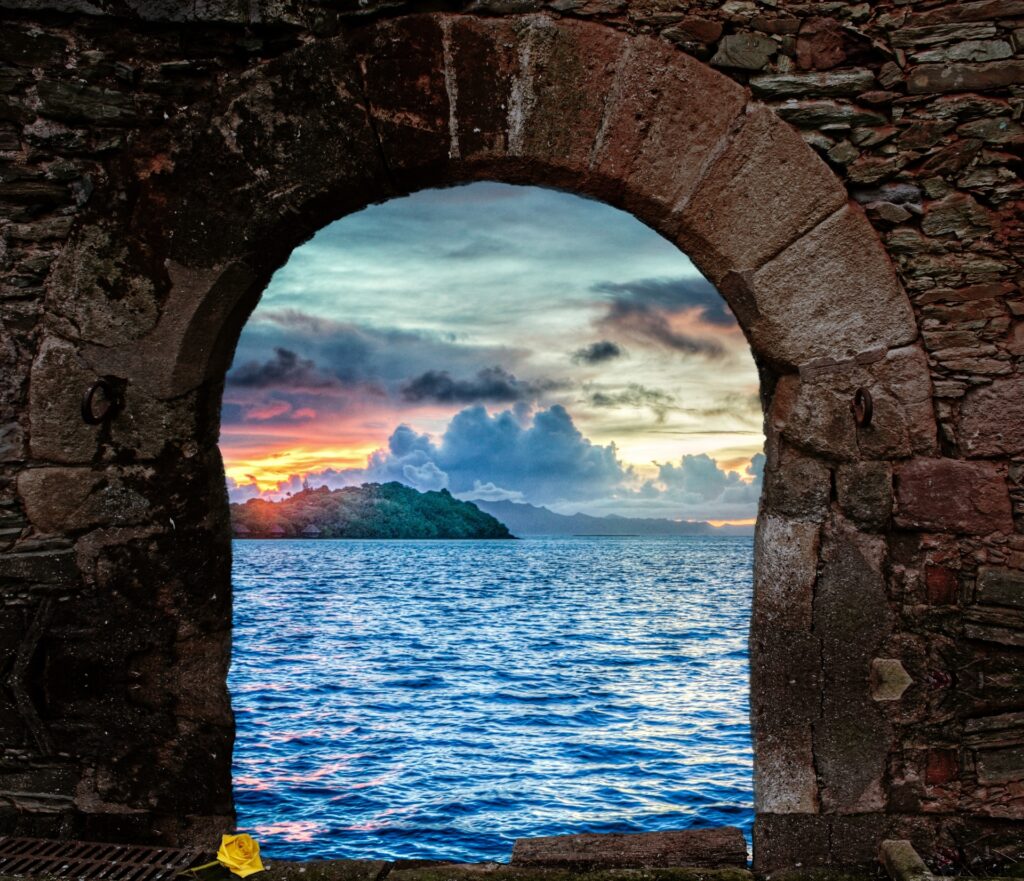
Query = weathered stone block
x=57 y=499
x=663 y=124
x=992 y=419
x=797 y=486
x=929 y=35
x=816 y=113
x=99 y=293
x=940 y=78
x=787 y=840
x=998 y=586
x=946 y=495
x=58 y=382
x=942 y=586
x=851 y=752
x=42 y=567
x=785 y=679
x=786 y=555
x=78 y=101
x=851 y=303
x=850 y=603
x=1000 y=765
x=864 y=491
x=784 y=777
x=776 y=86
x=744 y=51
x=941 y=766
x=978 y=10
x=746 y=208
x=720 y=847
x=818 y=418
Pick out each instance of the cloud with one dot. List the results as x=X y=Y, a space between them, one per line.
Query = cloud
x=690 y=293
x=285 y=370
x=543 y=459
x=354 y=355
x=636 y=395
x=698 y=479
x=668 y=312
x=491 y=384
x=598 y=353
x=488 y=492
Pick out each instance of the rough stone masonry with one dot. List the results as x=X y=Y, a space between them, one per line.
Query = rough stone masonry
x=846 y=173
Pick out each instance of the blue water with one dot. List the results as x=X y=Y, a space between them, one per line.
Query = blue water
x=440 y=699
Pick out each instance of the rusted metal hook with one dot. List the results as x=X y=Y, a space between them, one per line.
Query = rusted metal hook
x=862 y=407
x=109 y=388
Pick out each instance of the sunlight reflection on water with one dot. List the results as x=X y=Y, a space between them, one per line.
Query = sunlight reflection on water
x=440 y=699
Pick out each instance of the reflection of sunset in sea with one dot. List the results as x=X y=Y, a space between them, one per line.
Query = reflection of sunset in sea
x=295 y=831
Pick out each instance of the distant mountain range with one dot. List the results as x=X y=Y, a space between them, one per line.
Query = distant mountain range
x=524 y=519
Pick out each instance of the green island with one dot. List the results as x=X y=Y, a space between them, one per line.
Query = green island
x=373 y=510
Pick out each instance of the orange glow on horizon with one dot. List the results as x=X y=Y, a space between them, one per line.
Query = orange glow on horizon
x=270 y=470
x=750 y=521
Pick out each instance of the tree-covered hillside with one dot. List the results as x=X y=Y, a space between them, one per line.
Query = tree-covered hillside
x=373 y=510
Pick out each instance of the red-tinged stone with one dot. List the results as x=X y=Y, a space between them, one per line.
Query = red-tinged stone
x=992 y=419
x=412 y=124
x=481 y=53
x=667 y=119
x=566 y=71
x=940 y=78
x=699 y=29
x=947 y=495
x=942 y=766
x=986 y=291
x=942 y=585
x=824 y=43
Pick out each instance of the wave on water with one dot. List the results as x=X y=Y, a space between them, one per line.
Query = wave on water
x=439 y=699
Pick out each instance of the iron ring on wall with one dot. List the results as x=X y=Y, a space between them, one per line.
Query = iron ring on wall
x=862 y=407
x=108 y=386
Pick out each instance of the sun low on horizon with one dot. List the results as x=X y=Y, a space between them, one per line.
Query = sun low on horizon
x=500 y=342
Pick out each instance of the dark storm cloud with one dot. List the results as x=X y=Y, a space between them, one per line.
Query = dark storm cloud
x=285 y=370
x=491 y=385
x=358 y=356
x=670 y=295
x=598 y=353
x=636 y=395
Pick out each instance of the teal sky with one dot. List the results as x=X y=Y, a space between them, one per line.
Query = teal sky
x=444 y=310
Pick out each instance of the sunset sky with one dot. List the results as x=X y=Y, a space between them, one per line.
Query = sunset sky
x=503 y=342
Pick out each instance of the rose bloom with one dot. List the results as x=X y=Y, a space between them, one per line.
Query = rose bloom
x=240 y=854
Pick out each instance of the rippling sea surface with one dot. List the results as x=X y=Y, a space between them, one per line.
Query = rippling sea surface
x=439 y=699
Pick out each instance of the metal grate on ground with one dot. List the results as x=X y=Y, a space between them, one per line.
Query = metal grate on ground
x=91 y=860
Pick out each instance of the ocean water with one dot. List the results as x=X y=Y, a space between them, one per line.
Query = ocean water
x=439 y=699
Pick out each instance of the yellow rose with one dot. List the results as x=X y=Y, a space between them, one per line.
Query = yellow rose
x=240 y=854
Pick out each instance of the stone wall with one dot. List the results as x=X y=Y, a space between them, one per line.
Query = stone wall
x=158 y=160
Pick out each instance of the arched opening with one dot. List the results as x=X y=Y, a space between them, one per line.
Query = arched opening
x=563 y=368
x=228 y=190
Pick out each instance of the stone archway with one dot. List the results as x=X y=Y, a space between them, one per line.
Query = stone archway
x=154 y=292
